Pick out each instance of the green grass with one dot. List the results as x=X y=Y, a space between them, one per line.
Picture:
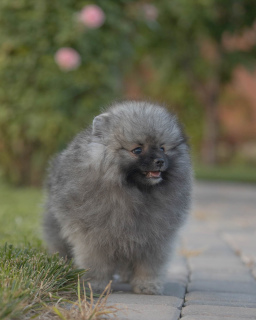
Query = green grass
x=29 y=278
x=20 y=210
x=232 y=173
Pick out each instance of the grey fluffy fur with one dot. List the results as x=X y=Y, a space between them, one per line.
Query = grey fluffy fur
x=105 y=212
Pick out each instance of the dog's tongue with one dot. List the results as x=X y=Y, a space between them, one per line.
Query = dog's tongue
x=155 y=174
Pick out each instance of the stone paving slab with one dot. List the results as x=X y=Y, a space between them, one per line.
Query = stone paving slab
x=194 y=238
x=220 y=296
x=215 y=262
x=219 y=268
x=254 y=271
x=220 y=311
x=207 y=250
x=222 y=269
x=222 y=303
x=244 y=244
x=244 y=276
x=131 y=298
x=182 y=279
x=214 y=318
x=147 y=312
x=222 y=286
x=178 y=271
x=219 y=250
x=173 y=289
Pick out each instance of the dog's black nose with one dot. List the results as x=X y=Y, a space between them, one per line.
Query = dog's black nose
x=159 y=162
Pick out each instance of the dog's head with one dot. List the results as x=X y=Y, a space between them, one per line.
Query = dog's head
x=145 y=141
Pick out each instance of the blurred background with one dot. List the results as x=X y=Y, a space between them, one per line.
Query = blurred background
x=61 y=62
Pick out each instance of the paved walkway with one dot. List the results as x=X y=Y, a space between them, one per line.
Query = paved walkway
x=213 y=275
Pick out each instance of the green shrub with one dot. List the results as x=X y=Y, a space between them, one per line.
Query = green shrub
x=42 y=106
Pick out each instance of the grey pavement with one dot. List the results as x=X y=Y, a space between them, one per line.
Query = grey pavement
x=213 y=274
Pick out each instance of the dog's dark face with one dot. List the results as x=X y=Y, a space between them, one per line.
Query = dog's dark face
x=149 y=166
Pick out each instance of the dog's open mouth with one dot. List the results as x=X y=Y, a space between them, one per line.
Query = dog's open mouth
x=153 y=174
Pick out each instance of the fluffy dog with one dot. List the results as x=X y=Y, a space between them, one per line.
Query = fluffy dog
x=118 y=195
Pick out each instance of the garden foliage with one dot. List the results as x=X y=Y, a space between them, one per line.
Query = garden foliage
x=195 y=51
x=60 y=62
x=41 y=105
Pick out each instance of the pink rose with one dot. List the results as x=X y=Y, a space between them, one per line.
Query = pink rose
x=92 y=16
x=67 y=59
x=150 y=12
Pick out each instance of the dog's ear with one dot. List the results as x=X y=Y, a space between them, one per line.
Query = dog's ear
x=100 y=125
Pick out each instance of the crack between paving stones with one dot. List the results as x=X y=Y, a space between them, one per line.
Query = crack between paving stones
x=188 y=281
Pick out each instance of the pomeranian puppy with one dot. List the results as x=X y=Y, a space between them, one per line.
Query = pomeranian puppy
x=119 y=193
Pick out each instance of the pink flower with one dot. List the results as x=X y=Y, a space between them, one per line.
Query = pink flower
x=67 y=59
x=150 y=12
x=92 y=16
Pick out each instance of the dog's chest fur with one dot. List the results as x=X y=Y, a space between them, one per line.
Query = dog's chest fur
x=127 y=228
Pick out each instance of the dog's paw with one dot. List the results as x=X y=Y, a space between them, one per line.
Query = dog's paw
x=147 y=287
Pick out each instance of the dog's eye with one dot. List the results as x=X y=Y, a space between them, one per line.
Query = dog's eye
x=162 y=149
x=137 y=150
